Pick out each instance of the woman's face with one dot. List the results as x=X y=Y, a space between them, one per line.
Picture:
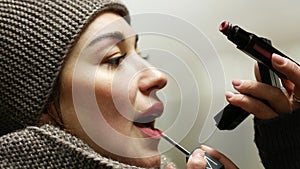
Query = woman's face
x=108 y=93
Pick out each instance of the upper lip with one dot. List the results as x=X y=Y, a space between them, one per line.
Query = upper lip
x=148 y=117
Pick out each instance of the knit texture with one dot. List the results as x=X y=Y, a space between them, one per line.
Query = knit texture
x=35 y=37
x=278 y=141
x=50 y=147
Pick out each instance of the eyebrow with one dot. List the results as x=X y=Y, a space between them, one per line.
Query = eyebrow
x=111 y=35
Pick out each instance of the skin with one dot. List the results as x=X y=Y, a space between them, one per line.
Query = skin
x=96 y=65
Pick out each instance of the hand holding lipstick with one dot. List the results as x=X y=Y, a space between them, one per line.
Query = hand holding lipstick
x=279 y=101
x=256 y=93
x=277 y=122
x=276 y=108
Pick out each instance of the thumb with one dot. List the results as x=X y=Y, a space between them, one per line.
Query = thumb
x=197 y=160
x=170 y=166
x=219 y=156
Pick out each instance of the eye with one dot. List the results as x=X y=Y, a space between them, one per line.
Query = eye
x=115 y=61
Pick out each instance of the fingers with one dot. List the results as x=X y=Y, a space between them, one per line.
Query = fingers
x=274 y=96
x=251 y=105
x=288 y=68
x=197 y=160
x=289 y=86
x=228 y=164
x=277 y=101
x=170 y=166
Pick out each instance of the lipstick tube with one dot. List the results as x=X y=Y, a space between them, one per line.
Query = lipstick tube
x=256 y=47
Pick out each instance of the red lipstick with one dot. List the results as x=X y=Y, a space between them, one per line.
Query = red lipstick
x=153 y=133
x=224 y=26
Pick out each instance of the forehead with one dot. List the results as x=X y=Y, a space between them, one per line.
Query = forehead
x=106 y=23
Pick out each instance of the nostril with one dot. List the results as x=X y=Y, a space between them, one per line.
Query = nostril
x=153 y=88
x=156 y=87
x=152 y=79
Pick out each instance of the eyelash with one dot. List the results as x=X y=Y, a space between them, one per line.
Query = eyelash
x=115 y=61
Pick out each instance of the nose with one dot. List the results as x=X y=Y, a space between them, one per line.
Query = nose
x=152 y=79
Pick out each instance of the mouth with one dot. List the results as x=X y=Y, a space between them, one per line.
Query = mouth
x=145 y=122
x=148 y=129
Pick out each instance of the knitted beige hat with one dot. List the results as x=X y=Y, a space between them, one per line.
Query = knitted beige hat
x=35 y=37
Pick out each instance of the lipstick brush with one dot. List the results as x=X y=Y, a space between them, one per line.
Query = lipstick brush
x=211 y=162
x=179 y=147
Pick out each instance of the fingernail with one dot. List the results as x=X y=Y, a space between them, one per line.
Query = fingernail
x=280 y=61
x=205 y=147
x=198 y=153
x=229 y=95
x=171 y=166
x=237 y=82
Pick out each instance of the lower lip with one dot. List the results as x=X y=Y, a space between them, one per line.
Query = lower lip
x=153 y=133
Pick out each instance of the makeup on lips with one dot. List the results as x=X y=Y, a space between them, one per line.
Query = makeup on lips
x=146 y=121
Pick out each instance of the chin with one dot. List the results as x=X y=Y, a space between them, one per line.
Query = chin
x=149 y=162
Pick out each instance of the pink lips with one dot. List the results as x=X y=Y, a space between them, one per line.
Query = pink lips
x=153 y=133
x=145 y=123
x=155 y=110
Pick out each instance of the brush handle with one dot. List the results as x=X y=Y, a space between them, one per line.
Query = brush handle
x=211 y=163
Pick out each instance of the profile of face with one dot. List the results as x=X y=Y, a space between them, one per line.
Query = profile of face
x=108 y=93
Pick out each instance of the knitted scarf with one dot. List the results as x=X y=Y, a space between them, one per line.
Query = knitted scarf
x=50 y=147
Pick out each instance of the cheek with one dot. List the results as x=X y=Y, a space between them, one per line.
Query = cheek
x=124 y=89
x=103 y=95
x=106 y=99
x=115 y=99
x=112 y=112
